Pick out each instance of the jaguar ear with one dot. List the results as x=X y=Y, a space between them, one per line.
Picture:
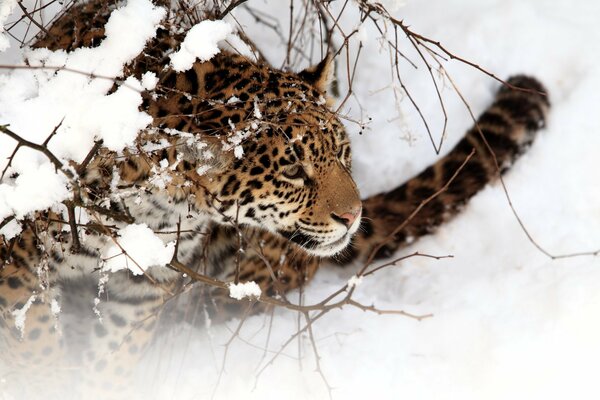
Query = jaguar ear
x=319 y=75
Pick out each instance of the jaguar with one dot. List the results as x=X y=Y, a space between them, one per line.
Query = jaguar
x=248 y=168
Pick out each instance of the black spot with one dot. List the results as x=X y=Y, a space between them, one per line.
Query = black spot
x=131 y=163
x=256 y=171
x=223 y=74
x=501 y=144
x=464 y=146
x=181 y=126
x=225 y=205
x=265 y=160
x=450 y=167
x=254 y=183
x=209 y=81
x=264 y=207
x=247 y=197
x=100 y=330
x=252 y=147
x=214 y=114
x=237 y=164
x=34 y=334
x=187 y=165
x=398 y=194
x=169 y=80
x=299 y=151
x=240 y=85
x=427 y=174
x=14 y=282
x=118 y=320
x=423 y=192
x=229 y=186
x=283 y=161
x=254 y=88
x=493 y=118
x=251 y=213
x=162 y=112
x=261 y=149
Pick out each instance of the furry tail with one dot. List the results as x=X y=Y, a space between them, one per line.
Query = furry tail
x=509 y=126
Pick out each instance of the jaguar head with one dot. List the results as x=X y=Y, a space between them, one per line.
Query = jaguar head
x=285 y=164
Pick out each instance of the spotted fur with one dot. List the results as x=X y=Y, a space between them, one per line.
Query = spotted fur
x=239 y=154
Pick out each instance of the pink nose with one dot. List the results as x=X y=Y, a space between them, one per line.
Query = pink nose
x=347 y=218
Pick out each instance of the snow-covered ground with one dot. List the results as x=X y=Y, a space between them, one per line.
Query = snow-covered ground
x=508 y=322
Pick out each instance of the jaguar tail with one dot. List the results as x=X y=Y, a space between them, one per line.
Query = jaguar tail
x=395 y=218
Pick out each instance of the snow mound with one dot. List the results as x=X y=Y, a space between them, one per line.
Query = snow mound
x=138 y=249
x=201 y=42
x=242 y=290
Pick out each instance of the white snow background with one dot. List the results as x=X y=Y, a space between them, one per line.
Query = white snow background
x=508 y=321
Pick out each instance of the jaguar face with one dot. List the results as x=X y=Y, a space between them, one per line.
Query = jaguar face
x=293 y=179
x=288 y=171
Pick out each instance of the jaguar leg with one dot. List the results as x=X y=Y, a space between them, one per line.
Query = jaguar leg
x=122 y=332
x=32 y=344
x=274 y=263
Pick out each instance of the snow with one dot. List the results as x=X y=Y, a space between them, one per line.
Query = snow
x=11 y=229
x=201 y=42
x=508 y=322
x=36 y=188
x=354 y=281
x=6 y=9
x=390 y=5
x=149 y=80
x=238 y=152
x=55 y=308
x=114 y=118
x=35 y=102
x=240 y=291
x=20 y=314
x=138 y=249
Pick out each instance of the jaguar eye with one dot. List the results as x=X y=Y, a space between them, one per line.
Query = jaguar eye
x=294 y=172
